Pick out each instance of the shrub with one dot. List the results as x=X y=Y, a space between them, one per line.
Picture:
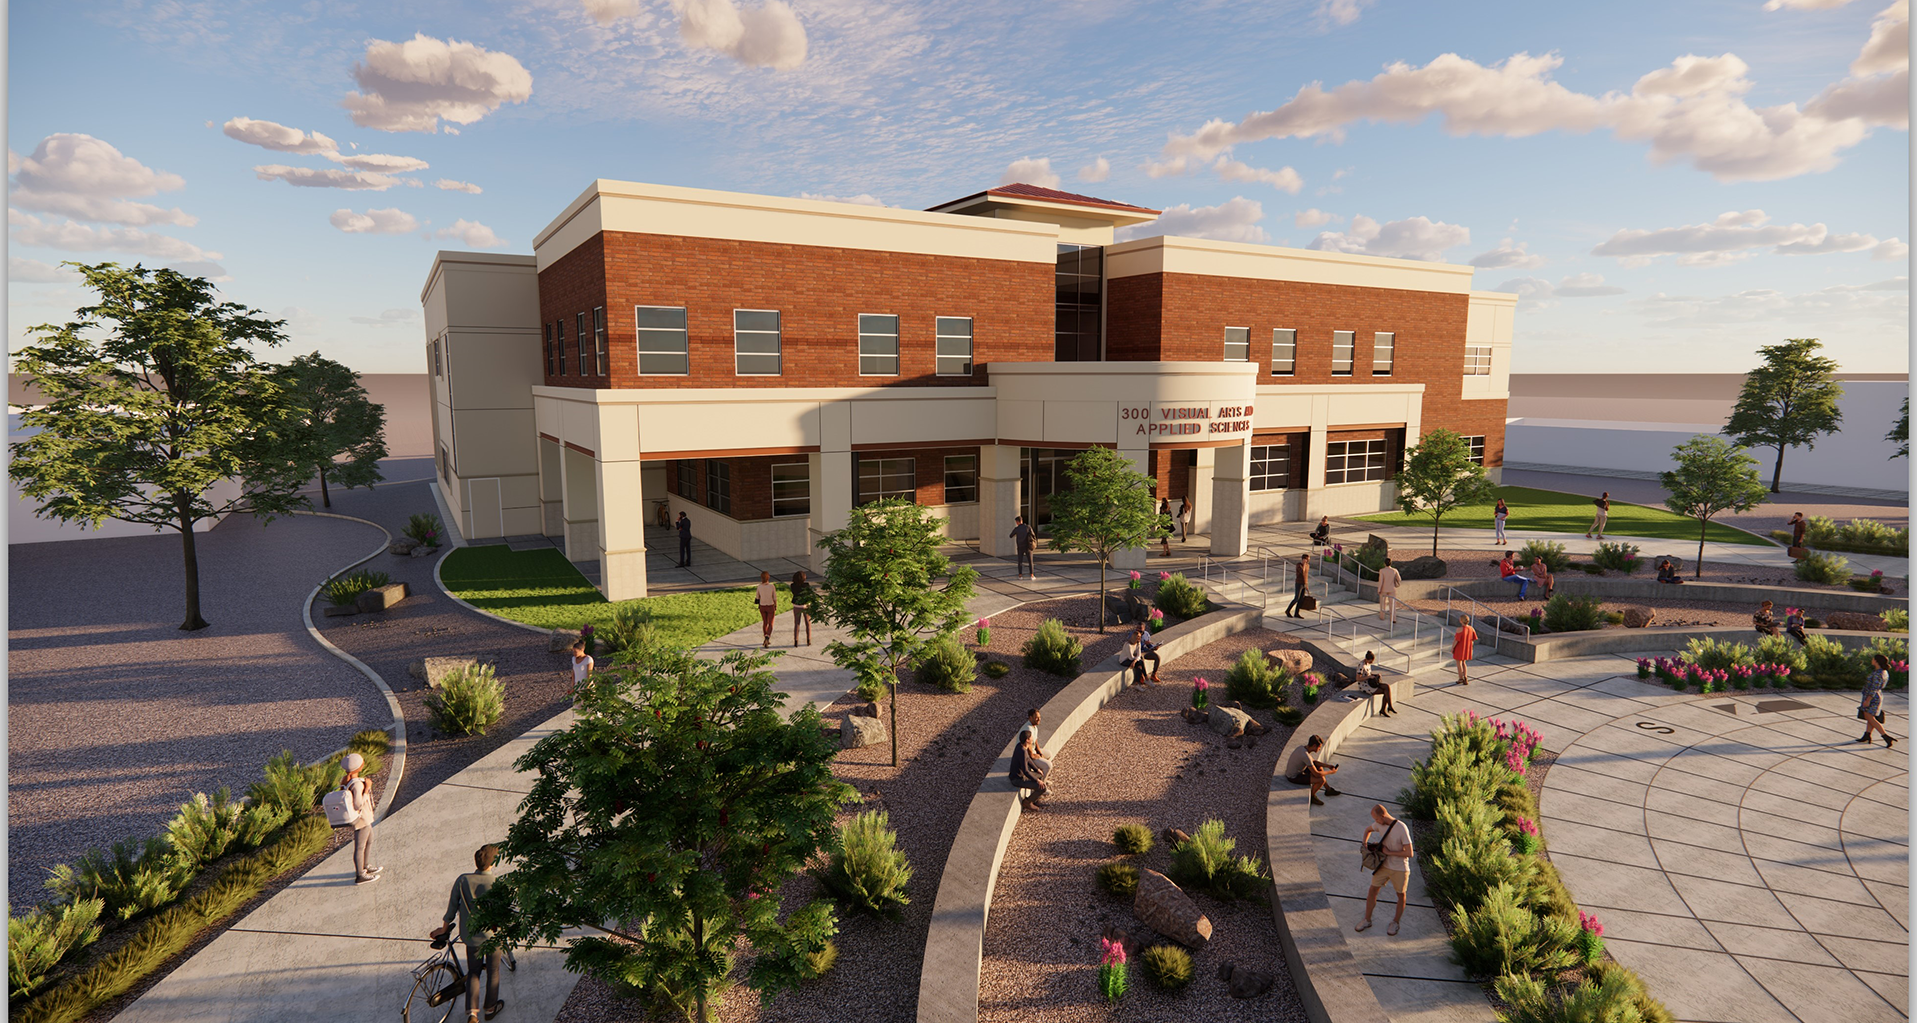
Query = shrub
x=1167 y=966
x=342 y=591
x=1649 y=1009
x=819 y=963
x=1310 y=693
x=867 y=871
x=1372 y=558
x=1473 y=856
x=1611 y=998
x=1120 y=879
x=1256 y=681
x=630 y=628
x=1827 y=661
x=38 y=941
x=131 y=879
x=1206 y=862
x=1552 y=554
x=426 y=528
x=1132 y=839
x=870 y=689
x=1291 y=716
x=1619 y=556
x=469 y=701
x=1052 y=650
x=1896 y=619
x=1708 y=652
x=1502 y=936
x=947 y=665
x=292 y=786
x=206 y=829
x=996 y=669
x=1780 y=650
x=1818 y=567
x=1565 y=613
x=1178 y=598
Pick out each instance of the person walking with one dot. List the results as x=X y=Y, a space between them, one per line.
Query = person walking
x=1394 y=849
x=1303 y=580
x=1799 y=526
x=768 y=597
x=1498 y=515
x=802 y=597
x=685 y=541
x=1871 y=708
x=1022 y=537
x=1462 y=647
x=1165 y=514
x=461 y=906
x=582 y=665
x=1603 y=512
x=359 y=792
x=1187 y=518
x=1388 y=580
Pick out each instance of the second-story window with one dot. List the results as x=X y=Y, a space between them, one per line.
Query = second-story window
x=1477 y=360
x=585 y=345
x=662 y=340
x=599 y=363
x=755 y=342
x=1384 y=347
x=1237 y=344
x=878 y=345
x=1342 y=342
x=549 y=349
x=1284 y=352
x=559 y=344
x=954 y=346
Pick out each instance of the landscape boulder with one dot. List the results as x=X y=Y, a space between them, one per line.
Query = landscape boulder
x=870 y=710
x=422 y=550
x=1242 y=982
x=559 y=641
x=379 y=598
x=1638 y=617
x=403 y=546
x=1852 y=621
x=435 y=669
x=341 y=610
x=856 y=730
x=1175 y=838
x=1227 y=721
x=1165 y=908
x=1292 y=660
x=1422 y=567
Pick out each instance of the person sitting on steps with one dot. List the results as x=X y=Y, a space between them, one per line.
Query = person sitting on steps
x=1321 y=534
x=1304 y=768
x=1794 y=625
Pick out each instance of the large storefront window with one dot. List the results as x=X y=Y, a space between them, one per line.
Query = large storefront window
x=1080 y=285
x=1356 y=461
x=719 y=486
x=878 y=345
x=880 y=478
x=792 y=489
x=662 y=341
x=1041 y=473
x=961 y=479
x=1270 y=467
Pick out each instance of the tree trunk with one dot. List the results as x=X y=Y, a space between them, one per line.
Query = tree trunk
x=895 y=715
x=698 y=944
x=1703 y=527
x=326 y=499
x=1777 y=471
x=191 y=555
x=1434 y=534
x=1101 y=595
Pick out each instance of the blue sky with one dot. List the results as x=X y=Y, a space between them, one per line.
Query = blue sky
x=1667 y=185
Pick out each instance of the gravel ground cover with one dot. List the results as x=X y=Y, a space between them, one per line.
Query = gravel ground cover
x=115 y=717
x=947 y=741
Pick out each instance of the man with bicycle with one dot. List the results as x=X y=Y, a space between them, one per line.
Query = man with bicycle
x=468 y=889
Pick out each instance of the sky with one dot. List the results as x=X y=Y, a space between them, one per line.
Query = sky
x=1667 y=186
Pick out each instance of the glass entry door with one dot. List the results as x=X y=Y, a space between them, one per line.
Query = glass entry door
x=1040 y=474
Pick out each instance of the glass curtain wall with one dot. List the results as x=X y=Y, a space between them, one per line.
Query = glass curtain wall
x=1041 y=473
x=1080 y=286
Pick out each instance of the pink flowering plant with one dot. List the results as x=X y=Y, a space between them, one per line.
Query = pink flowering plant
x=1590 y=937
x=1200 y=691
x=1136 y=580
x=983 y=632
x=1643 y=667
x=1530 y=840
x=1158 y=618
x=1112 y=978
x=1164 y=577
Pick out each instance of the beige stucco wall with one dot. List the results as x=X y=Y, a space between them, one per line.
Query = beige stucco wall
x=1166 y=254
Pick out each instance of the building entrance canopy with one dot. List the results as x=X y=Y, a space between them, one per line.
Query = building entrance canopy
x=1128 y=405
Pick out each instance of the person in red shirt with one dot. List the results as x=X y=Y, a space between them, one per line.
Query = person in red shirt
x=1462 y=646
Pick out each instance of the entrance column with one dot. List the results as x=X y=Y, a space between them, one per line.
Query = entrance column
x=579 y=514
x=1133 y=558
x=552 y=492
x=1231 y=501
x=998 y=499
x=1199 y=485
x=622 y=531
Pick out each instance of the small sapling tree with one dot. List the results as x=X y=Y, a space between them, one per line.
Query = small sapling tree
x=1712 y=476
x=1106 y=506
x=340 y=435
x=1438 y=475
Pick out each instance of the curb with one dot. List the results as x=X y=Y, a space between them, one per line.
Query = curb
x=398 y=727
x=441 y=583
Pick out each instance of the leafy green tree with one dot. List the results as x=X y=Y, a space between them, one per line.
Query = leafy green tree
x=879 y=587
x=1712 y=476
x=153 y=395
x=668 y=819
x=341 y=434
x=1438 y=475
x=1105 y=506
x=1789 y=401
x=1900 y=431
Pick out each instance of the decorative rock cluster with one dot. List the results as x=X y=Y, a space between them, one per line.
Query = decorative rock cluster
x=1638 y=617
x=379 y=598
x=407 y=547
x=435 y=669
x=861 y=727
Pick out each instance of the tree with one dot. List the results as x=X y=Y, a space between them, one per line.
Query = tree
x=1712 y=475
x=341 y=434
x=879 y=587
x=1900 y=431
x=1438 y=475
x=1105 y=507
x=152 y=397
x=1787 y=402
x=668 y=819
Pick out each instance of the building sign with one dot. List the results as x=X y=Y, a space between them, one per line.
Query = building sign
x=1172 y=423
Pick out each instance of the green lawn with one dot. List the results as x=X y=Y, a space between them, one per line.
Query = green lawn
x=542 y=588
x=1551 y=511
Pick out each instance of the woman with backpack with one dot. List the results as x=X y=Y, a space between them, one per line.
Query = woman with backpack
x=353 y=804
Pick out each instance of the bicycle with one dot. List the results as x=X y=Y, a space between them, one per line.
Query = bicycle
x=662 y=514
x=439 y=981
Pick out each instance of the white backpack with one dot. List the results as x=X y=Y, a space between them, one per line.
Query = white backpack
x=340 y=807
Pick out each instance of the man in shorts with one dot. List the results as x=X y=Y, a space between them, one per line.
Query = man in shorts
x=1396 y=836
x=1304 y=768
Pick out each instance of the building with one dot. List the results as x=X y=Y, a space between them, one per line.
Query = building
x=762 y=364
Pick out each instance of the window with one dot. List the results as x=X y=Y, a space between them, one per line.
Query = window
x=1384 y=345
x=755 y=342
x=1237 y=344
x=1079 y=285
x=599 y=364
x=549 y=349
x=559 y=344
x=719 y=486
x=1284 y=352
x=1355 y=461
x=887 y=477
x=878 y=345
x=792 y=489
x=961 y=479
x=1476 y=444
x=445 y=464
x=686 y=476
x=585 y=345
x=955 y=346
x=1270 y=467
x=662 y=340
x=1477 y=360
x=1342 y=342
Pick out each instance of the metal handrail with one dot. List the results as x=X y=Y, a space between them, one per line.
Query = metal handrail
x=1498 y=619
x=1418 y=618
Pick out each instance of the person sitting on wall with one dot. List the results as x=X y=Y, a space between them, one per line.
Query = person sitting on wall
x=1765 y=624
x=1508 y=571
x=1025 y=773
x=1321 y=533
x=1794 y=625
x=1369 y=676
x=1667 y=573
x=1541 y=574
x=1305 y=768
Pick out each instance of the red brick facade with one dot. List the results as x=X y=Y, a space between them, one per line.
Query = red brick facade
x=819 y=293
x=573 y=285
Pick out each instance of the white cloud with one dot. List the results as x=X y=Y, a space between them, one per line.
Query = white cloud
x=1508 y=254
x=1586 y=285
x=472 y=234
x=1889 y=249
x=278 y=137
x=33 y=232
x=1097 y=170
x=1031 y=172
x=1169 y=168
x=1538 y=293
x=201 y=268
x=765 y=36
x=1892 y=284
x=383 y=163
x=387 y=318
x=1411 y=238
x=412 y=86
x=1691 y=111
x=1313 y=217
x=1731 y=237
x=1888 y=48
x=862 y=199
x=1529 y=289
x=1235 y=220
x=326 y=177
x=1342 y=12
x=1884 y=100
x=81 y=176
x=449 y=185
x=605 y=12
x=1805 y=5
x=375 y=221
x=33 y=271
x=1283 y=179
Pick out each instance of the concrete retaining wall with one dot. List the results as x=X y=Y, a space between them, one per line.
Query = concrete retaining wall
x=1582 y=585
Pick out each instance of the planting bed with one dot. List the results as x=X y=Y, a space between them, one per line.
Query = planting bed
x=1668 y=611
x=1481 y=564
